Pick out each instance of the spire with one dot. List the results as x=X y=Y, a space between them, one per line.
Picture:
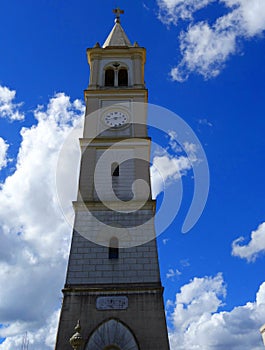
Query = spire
x=117 y=36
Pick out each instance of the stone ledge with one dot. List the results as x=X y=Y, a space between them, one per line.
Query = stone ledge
x=118 y=288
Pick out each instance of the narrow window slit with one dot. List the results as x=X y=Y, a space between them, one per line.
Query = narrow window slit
x=113 y=248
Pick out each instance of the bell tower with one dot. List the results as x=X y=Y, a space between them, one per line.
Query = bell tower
x=113 y=282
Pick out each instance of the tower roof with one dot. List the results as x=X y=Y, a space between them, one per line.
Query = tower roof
x=117 y=37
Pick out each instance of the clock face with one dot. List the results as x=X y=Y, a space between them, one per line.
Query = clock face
x=115 y=119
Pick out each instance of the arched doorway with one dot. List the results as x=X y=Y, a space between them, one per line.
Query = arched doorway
x=112 y=335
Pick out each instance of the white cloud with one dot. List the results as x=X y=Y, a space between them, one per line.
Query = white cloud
x=167 y=168
x=34 y=234
x=9 y=109
x=173 y=273
x=173 y=141
x=206 y=48
x=3 y=153
x=198 y=323
x=249 y=14
x=42 y=338
x=171 y=11
x=254 y=248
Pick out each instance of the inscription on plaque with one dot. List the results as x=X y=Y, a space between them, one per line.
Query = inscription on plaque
x=112 y=303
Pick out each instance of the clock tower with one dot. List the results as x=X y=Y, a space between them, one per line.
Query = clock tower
x=113 y=282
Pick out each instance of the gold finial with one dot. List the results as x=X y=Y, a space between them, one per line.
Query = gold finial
x=76 y=340
x=118 y=12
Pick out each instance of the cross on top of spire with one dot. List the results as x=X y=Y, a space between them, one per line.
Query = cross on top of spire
x=118 y=12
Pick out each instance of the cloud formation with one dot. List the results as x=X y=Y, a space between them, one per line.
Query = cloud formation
x=205 y=48
x=169 y=165
x=171 y=274
x=34 y=234
x=3 y=153
x=198 y=322
x=8 y=108
x=42 y=338
x=254 y=248
x=171 y=11
x=34 y=248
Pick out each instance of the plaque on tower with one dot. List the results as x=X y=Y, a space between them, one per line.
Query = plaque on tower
x=112 y=303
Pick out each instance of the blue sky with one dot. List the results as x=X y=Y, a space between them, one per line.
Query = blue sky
x=205 y=62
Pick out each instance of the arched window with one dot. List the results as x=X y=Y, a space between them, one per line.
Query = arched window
x=114 y=248
x=115 y=169
x=109 y=77
x=123 y=77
